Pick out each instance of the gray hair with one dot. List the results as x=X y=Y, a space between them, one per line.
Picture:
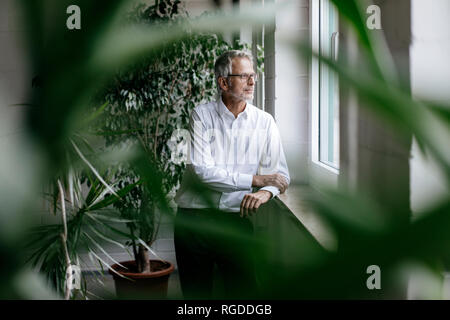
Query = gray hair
x=222 y=67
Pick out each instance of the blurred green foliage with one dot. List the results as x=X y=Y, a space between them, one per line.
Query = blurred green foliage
x=74 y=65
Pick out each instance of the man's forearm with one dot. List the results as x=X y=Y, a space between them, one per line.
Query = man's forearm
x=222 y=180
x=260 y=181
x=257 y=181
x=276 y=180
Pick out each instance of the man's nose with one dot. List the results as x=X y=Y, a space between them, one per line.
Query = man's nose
x=251 y=81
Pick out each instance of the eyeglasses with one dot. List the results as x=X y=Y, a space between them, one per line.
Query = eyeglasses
x=245 y=77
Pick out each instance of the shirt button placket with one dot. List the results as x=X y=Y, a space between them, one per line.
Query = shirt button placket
x=235 y=132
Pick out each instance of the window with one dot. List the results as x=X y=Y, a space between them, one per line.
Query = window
x=324 y=87
x=328 y=89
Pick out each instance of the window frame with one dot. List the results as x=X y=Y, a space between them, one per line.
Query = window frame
x=320 y=172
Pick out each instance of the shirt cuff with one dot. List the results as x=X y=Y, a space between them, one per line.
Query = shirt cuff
x=244 y=181
x=274 y=190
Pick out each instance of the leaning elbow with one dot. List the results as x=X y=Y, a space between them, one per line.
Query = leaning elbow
x=198 y=171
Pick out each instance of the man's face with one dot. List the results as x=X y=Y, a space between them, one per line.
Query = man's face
x=241 y=89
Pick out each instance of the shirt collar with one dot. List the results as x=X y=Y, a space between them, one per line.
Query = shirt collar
x=222 y=109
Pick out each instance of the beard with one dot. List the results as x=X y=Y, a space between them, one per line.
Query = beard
x=248 y=97
x=243 y=96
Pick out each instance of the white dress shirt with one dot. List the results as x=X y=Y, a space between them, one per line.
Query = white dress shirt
x=225 y=152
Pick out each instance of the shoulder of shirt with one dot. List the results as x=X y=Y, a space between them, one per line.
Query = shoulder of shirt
x=259 y=113
x=205 y=107
x=210 y=107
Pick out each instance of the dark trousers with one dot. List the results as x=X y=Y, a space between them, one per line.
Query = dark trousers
x=205 y=238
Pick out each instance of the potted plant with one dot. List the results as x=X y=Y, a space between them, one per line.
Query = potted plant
x=146 y=104
x=79 y=197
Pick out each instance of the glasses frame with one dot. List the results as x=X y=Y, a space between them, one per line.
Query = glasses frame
x=245 y=77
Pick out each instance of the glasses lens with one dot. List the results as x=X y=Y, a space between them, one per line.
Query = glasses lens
x=245 y=77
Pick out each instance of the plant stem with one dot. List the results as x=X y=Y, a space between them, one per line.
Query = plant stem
x=64 y=240
x=143 y=261
x=155 y=155
x=133 y=244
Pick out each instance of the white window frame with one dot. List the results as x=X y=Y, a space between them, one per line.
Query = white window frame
x=319 y=172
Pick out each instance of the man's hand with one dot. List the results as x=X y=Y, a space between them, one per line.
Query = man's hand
x=276 y=180
x=252 y=201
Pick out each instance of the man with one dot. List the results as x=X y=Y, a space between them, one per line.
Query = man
x=234 y=147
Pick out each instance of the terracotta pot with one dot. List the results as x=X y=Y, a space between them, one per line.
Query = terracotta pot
x=142 y=285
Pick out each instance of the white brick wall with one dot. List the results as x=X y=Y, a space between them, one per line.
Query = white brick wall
x=14 y=78
x=287 y=87
x=430 y=78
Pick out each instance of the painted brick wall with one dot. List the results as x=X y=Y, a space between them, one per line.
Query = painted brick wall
x=14 y=80
x=287 y=86
x=430 y=78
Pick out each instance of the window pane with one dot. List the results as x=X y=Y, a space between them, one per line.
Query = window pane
x=329 y=90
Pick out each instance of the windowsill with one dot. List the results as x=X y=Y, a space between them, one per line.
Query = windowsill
x=294 y=200
x=326 y=167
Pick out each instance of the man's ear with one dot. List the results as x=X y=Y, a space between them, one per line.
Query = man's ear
x=223 y=83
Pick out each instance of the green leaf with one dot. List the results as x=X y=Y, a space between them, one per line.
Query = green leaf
x=95 y=115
